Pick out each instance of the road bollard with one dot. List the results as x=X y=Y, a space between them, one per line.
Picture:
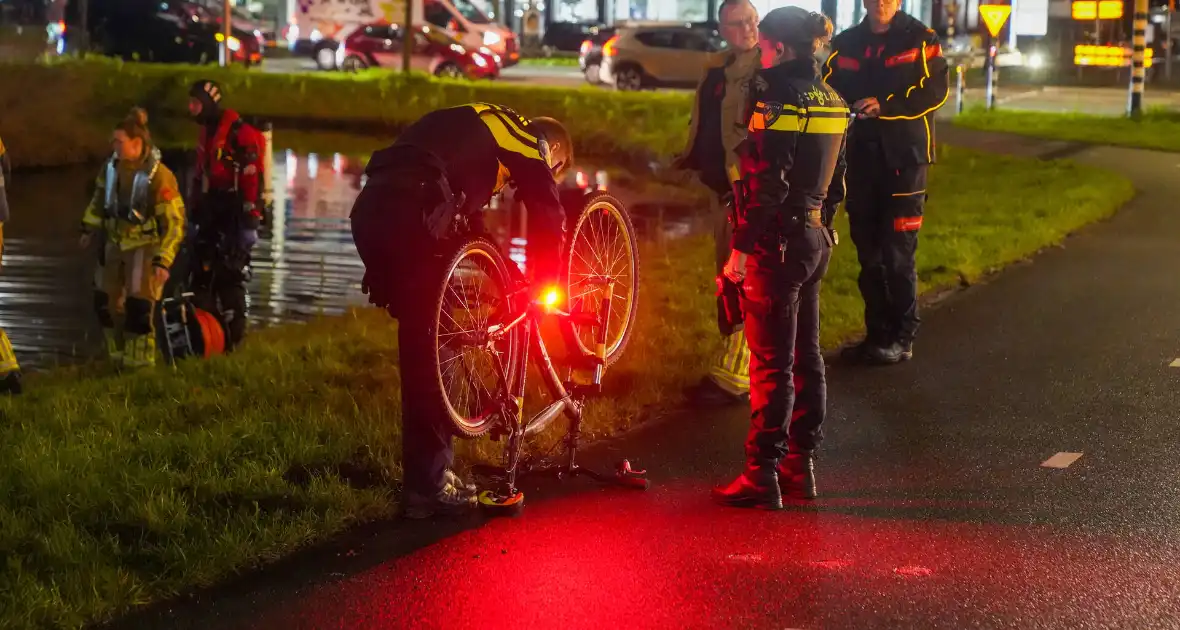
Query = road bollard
x=268 y=163
x=992 y=77
x=959 y=89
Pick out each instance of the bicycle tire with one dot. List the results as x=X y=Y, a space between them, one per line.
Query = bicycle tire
x=600 y=205
x=444 y=337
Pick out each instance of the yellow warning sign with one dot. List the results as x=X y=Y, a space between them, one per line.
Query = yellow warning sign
x=994 y=15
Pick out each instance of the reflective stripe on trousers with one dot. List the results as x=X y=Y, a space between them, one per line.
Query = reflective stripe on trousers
x=8 y=361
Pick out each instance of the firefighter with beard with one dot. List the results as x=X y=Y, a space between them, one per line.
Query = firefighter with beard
x=228 y=210
x=138 y=208
x=9 y=368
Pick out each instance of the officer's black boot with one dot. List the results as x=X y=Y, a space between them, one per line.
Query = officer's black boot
x=895 y=352
x=756 y=487
x=796 y=476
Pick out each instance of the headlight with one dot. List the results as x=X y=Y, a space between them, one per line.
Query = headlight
x=457 y=48
x=341 y=53
x=1036 y=61
x=234 y=43
x=479 y=60
x=491 y=38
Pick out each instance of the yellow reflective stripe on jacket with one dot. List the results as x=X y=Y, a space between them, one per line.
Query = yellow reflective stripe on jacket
x=823 y=125
x=171 y=214
x=509 y=134
x=922 y=83
x=829 y=65
x=801 y=119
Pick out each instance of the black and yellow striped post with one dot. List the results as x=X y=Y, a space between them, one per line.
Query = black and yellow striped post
x=1138 y=50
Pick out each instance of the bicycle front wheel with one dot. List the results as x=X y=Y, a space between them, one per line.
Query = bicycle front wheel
x=476 y=364
x=603 y=259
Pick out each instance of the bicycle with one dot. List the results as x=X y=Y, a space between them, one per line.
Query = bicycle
x=486 y=314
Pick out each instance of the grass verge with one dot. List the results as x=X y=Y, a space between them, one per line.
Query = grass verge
x=559 y=62
x=1157 y=129
x=121 y=490
x=62 y=112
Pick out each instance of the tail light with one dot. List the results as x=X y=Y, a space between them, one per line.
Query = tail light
x=585 y=46
x=608 y=49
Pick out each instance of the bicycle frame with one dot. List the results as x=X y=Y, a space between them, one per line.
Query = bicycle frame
x=567 y=401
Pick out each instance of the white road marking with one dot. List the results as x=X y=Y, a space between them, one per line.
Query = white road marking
x=1061 y=460
x=912 y=571
x=1175 y=363
x=745 y=557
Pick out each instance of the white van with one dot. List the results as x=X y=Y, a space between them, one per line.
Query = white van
x=319 y=26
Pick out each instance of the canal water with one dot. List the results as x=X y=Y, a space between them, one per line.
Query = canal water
x=305 y=265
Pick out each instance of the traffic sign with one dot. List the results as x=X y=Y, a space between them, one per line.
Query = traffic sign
x=994 y=15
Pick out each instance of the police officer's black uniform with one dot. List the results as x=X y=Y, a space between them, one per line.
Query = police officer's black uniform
x=888 y=156
x=451 y=160
x=792 y=181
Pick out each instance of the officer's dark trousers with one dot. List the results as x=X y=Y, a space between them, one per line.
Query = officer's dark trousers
x=885 y=213
x=400 y=278
x=220 y=264
x=788 y=393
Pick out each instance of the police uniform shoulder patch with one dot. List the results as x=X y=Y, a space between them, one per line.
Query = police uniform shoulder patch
x=773 y=111
x=543 y=149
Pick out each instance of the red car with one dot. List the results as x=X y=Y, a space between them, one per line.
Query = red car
x=379 y=45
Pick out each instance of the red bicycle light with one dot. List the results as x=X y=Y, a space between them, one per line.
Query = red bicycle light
x=550 y=297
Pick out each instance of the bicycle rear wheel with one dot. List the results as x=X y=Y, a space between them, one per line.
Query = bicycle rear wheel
x=475 y=365
x=603 y=258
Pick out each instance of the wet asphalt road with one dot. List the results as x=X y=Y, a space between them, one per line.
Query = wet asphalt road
x=934 y=512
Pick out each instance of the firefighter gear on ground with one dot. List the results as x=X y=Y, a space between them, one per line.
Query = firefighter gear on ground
x=227 y=212
x=138 y=208
x=792 y=182
x=717 y=128
x=441 y=170
x=905 y=70
x=9 y=367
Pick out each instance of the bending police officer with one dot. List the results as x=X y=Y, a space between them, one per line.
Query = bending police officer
x=9 y=367
x=891 y=68
x=138 y=208
x=717 y=128
x=792 y=182
x=447 y=166
x=228 y=211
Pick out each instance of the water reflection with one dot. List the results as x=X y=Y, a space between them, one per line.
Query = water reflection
x=305 y=264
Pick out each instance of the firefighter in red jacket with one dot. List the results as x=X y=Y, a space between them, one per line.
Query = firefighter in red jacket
x=227 y=187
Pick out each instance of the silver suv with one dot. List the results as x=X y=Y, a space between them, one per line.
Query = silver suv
x=639 y=57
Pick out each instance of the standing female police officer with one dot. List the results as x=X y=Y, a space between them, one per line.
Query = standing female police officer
x=792 y=181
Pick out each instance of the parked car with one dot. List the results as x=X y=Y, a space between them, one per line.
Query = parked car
x=245 y=42
x=435 y=51
x=590 y=54
x=164 y=31
x=639 y=57
x=568 y=36
x=320 y=26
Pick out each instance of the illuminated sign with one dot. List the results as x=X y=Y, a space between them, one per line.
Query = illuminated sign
x=1097 y=10
x=1106 y=56
x=994 y=15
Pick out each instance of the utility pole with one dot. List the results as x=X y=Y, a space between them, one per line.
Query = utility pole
x=227 y=32
x=1138 y=46
x=407 y=35
x=1168 y=41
